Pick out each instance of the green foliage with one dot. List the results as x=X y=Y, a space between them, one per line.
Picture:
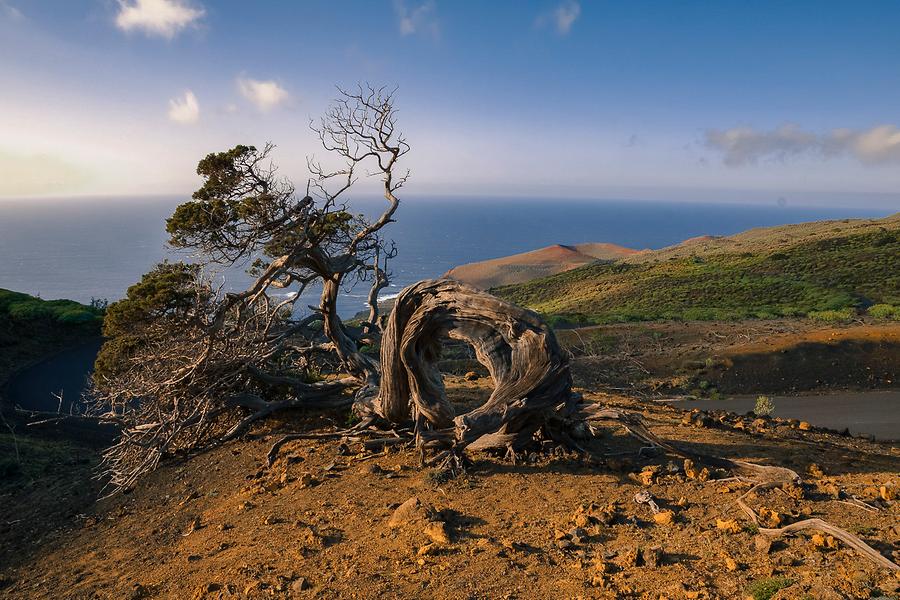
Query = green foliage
x=764 y=589
x=838 y=273
x=764 y=407
x=885 y=311
x=168 y=291
x=17 y=309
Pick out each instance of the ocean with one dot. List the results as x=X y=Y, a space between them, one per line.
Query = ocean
x=83 y=248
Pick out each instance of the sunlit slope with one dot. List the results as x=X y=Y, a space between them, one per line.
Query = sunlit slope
x=779 y=271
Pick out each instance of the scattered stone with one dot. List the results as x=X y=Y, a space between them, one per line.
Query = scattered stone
x=731 y=564
x=630 y=558
x=437 y=532
x=565 y=544
x=664 y=517
x=759 y=424
x=648 y=474
x=578 y=535
x=411 y=511
x=193 y=526
x=770 y=518
x=762 y=543
x=307 y=480
x=728 y=525
x=824 y=541
x=653 y=557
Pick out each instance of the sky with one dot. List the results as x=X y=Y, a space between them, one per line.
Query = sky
x=714 y=101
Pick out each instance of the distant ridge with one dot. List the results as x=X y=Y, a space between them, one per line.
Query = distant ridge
x=544 y=262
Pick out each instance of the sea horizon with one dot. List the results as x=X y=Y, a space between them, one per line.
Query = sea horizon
x=95 y=248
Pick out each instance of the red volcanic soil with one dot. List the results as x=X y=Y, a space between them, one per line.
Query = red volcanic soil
x=537 y=263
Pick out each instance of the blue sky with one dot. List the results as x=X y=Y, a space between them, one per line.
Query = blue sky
x=730 y=101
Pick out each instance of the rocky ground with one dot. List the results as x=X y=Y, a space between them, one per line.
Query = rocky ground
x=330 y=520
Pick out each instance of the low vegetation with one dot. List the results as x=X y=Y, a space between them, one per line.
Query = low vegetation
x=830 y=276
x=17 y=308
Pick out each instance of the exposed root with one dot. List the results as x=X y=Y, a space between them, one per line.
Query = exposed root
x=818 y=525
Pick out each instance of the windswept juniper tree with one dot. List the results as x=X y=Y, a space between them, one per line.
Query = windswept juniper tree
x=186 y=359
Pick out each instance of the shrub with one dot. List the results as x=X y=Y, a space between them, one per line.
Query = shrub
x=832 y=316
x=764 y=407
x=885 y=311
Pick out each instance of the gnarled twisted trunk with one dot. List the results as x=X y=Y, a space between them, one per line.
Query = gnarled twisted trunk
x=531 y=375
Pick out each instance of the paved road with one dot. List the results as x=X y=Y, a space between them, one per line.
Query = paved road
x=67 y=372
x=869 y=412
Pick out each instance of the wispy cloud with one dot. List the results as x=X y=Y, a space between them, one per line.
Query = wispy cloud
x=561 y=18
x=184 y=109
x=745 y=145
x=419 y=18
x=265 y=95
x=163 y=18
x=9 y=11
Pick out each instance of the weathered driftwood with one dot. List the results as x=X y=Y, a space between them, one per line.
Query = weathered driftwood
x=530 y=373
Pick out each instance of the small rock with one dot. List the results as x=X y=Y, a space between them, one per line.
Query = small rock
x=471 y=376
x=411 y=511
x=815 y=470
x=578 y=535
x=653 y=557
x=762 y=543
x=437 y=532
x=731 y=564
x=728 y=525
x=565 y=544
x=804 y=426
x=664 y=517
x=300 y=584
x=824 y=541
x=428 y=550
x=271 y=520
x=888 y=493
x=307 y=480
x=630 y=558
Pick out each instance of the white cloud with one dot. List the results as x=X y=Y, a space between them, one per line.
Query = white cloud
x=419 y=18
x=562 y=17
x=164 y=18
x=745 y=145
x=184 y=109
x=265 y=95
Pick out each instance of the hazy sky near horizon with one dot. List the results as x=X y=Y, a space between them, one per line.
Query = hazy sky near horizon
x=718 y=100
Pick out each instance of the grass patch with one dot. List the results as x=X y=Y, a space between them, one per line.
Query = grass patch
x=764 y=589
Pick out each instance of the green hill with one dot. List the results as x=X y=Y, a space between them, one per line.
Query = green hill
x=31 y=328
x=789 y=270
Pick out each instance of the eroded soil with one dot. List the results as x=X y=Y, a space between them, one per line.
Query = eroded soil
x=555 y=525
